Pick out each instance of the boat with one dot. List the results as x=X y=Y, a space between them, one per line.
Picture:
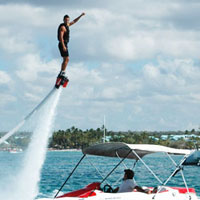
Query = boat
x=135 y=152
x=15 y=150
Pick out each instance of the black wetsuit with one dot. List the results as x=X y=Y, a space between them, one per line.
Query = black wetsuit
x=66 y=40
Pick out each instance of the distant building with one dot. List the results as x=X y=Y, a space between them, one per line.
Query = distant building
x=107 y=138
x=153 y=138
x=177 y=137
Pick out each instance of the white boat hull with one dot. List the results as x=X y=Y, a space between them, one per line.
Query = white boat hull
x=170 y=194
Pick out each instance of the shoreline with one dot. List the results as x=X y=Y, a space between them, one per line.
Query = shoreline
x=65 y=150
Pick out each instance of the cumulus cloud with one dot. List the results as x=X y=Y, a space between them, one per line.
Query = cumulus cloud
x=13 y=44
x=4 y=78
x=134 y=62
x=24 y=15
x=163 y=91
x=5 y=99
x=32 y=97
x=175 y=76
x=148 y=44
x=107 y=82
x=31 y=65
x=138 y=32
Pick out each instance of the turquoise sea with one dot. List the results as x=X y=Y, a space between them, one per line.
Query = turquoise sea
x=58 y=165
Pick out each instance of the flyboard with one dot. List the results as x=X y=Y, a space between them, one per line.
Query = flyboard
x=61 y=80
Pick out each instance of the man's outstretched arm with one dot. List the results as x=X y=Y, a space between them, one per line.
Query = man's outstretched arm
x=75 y=20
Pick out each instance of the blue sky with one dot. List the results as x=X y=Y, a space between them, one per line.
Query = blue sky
x=134 y=61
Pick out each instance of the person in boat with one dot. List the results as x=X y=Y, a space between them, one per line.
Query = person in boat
x=129 y=184
x=63 y=38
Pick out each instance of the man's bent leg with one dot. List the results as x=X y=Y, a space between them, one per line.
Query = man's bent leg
x=64 y=63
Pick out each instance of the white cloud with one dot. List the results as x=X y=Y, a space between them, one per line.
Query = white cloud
x=24 y=16
x=151 y=71
x=175 y=76
x=5 y=99
x=161 y=93
x=148 y=44
x=4 y=78
x=32 y=97
x=142 y=31
x=31 y=65
x=163 y=37
x=23 y=30
x=150 y=100
x=111 y=93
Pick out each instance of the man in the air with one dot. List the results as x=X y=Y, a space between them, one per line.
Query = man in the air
x=63 y=37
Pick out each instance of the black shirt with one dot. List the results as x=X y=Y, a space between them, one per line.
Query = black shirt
x=66 y=34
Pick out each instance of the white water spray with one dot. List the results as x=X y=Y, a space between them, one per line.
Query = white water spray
x=26 y=186
x=37 y=150
x=15 y=129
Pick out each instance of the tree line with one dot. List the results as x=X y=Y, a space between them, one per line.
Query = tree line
x=75 y=138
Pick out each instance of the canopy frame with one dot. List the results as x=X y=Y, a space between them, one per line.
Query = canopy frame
x=124 y=151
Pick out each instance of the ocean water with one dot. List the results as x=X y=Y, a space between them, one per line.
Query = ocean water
x=58 y=165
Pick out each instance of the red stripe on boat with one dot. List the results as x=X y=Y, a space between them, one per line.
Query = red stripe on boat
x=84 y=192
x=184 y=190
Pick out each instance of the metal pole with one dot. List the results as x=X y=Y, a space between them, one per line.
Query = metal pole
x=122 y=162
x=69 y=176
x=116 y=167
x=185 y=184
x=178 y=168
x=104 y=131
x=147 y=166
x=171 y=159
x=95 y=168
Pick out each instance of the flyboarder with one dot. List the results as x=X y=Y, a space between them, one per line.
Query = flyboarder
x=63 y=38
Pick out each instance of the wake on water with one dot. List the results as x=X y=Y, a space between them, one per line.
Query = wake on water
x=24 y=186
